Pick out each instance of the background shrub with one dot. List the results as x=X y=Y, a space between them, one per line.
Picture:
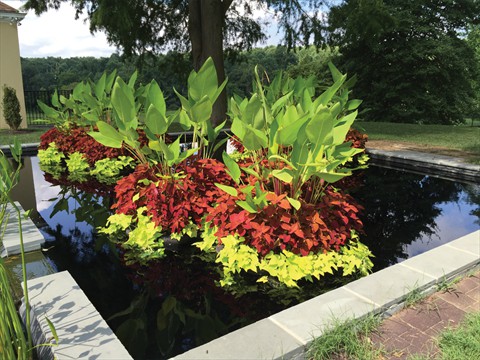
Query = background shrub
x=11 y=107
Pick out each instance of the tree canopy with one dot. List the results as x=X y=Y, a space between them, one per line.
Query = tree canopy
x=204 y=27
x=411 y=57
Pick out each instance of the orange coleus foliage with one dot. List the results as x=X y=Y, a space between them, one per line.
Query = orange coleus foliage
x=174 y=201
x=321 y=227
x=76 y=139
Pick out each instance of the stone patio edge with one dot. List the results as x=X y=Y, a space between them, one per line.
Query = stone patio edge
x=355 y=300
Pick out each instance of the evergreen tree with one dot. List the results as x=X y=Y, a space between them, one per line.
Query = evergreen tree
x=11 y=107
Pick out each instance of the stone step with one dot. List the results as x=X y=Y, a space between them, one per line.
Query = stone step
x=82 y=332
x=10 y=242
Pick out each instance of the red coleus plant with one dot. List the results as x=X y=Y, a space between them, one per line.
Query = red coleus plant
x=76 y=139
x=174 y=201
x=321 y=227
x=357 y=138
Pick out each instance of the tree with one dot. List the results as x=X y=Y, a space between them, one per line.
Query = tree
x=11 y=107
x=202 y=26
x=473 y=40
x=411 y=57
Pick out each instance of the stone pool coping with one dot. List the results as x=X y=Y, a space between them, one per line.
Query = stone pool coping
x=441 y=165
x=32 y=237
x=287 y=334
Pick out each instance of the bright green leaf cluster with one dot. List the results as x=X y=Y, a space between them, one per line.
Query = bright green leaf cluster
x=109 y=171
x=287 y=267
x=144 y=241
x=78 y=167
x=51 y=160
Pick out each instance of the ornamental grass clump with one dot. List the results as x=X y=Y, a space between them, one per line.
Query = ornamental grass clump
x=15 y=336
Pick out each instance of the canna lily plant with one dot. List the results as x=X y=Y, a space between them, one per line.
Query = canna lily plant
x=271 y=209
x=283 y=217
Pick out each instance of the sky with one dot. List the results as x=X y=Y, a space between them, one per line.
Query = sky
x=58 y=34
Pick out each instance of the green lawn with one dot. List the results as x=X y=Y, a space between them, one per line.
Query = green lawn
x=25 y=136
x=462 y=137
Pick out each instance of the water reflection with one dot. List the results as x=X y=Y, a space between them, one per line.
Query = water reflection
x=407 y=214
x=174 y=304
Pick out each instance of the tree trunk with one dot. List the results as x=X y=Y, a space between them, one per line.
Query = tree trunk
x=206 y=21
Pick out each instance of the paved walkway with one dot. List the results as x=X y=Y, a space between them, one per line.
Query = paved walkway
x=414 y=330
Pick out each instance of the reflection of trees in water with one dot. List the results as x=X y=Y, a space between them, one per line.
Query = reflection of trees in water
x=400 y=207
x=473 y=198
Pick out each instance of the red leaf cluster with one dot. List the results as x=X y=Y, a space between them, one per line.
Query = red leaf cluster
x=76 y=139
x=277 y=226
x=173 y=202
x=357 y=138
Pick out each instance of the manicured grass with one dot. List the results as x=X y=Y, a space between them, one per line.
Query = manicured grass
x=349 y=340
x=346 y=340
x=462 y=137
x=462 y=343
x=25 y=136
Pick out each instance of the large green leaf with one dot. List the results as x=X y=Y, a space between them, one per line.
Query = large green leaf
x=100 y=86
x=331 y=177
x=341 y=129
x=228 y=189
x=232 y=166
x=320 y=128
x=156 y=121
x=155 y=97
x=204 y=82
x=110 y=81
x=254 y=139
x=47 y=110
x=107 y=135
x=353 y=104
x=284 y=175
x=238 y=128
x=287 y=135
x=55 y=101
x=123 y=102
x=247 y=206
x=328 y=94
x=201 y=110
x=280 y=103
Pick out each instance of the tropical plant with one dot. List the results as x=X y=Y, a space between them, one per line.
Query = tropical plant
x=89 y=102
x=293 y=150
x=282 y=216
x=11 y=107
x=13 y=342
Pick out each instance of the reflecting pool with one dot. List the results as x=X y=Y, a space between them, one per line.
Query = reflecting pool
x=175 y=305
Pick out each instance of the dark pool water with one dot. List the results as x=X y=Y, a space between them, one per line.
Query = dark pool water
x=174 y=306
